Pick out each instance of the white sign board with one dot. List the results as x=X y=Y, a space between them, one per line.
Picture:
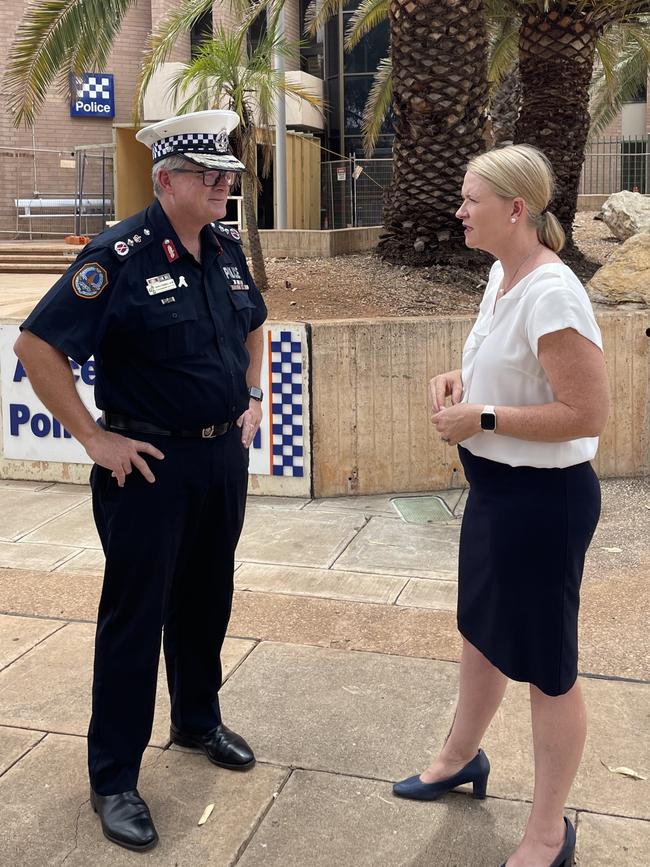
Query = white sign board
x=31 y=433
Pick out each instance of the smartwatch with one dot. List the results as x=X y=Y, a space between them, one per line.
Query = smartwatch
x=488 y=419
x=255 y=392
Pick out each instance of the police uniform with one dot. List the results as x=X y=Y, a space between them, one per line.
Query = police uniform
x=168 y=337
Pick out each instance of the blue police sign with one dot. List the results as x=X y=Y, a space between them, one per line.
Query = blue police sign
x=93 y=95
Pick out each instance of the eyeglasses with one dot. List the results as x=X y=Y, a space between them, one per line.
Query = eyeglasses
x=211 y=177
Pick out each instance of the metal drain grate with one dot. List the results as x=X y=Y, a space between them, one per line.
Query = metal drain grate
x=422 y=510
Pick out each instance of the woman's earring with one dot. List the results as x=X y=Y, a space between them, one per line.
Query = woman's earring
x=513 y=219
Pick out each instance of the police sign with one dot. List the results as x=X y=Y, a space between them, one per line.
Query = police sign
x=93 y=95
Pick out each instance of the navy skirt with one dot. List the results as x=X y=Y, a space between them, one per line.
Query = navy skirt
x=523 y=541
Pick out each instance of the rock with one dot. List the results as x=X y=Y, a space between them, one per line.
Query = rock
x=625 y=277
x=627 y=214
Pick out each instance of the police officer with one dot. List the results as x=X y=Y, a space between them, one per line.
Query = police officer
x=165 y=303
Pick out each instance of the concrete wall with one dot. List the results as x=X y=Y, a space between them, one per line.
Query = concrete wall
x=316 y=244
x=370 y=416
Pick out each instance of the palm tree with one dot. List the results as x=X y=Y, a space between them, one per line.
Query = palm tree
x=558 y=42
x=435 y=82
x=57 y=39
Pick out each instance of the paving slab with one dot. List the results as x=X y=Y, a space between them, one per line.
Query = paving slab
x=14 y=744
x=355 y=586
x=294 y=503
x=50 y=687
x=21 y=511
x=618 y=713
x=603 y=841
x=351 y=713
x=335 y=623
x=47 y=819
x=429 y=593
x=371 y=504
x=90 y=561
x=65 y=488
x=614 y=621
x=20 y=634
x=296 y=538
x=28 y=555
x=67 y=595
x=76 y=527
x=393 y=547
x=321 y=820
x=23 y=484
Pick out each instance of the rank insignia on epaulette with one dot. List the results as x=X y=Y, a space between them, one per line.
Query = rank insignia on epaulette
x=227 y=232
x=127 y=245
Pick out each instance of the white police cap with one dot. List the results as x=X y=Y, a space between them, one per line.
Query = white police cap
x=201 y=137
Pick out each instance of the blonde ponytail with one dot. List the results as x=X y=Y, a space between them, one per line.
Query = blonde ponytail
x=550 y=232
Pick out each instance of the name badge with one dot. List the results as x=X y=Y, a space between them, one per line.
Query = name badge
x=161 y=283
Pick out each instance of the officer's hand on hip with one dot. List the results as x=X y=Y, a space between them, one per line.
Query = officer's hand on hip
x=121 y=454
x=249 y=422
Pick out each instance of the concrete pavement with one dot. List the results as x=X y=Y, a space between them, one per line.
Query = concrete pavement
x=341 y=667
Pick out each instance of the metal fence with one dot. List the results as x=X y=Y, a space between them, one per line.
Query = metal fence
x=46 y=193
x=353 y=191
x=614 y=164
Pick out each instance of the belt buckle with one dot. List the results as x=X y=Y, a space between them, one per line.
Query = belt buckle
x=208 y=433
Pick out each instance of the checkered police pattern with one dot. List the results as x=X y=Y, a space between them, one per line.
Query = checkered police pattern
x=197 y=142
x=95 y=87
x=285 y=359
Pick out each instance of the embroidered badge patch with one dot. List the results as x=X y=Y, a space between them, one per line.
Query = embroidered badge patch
x=90 y=280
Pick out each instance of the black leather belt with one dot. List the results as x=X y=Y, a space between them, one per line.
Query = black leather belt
x=118 y=423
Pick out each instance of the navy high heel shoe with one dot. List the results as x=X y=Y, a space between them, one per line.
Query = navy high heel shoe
x=566 y=855
x=475 y=772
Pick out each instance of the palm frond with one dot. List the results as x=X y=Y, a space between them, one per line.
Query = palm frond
x=378 y=104
x=368 y=15
x=161 y=42
x=57 y=39
x=319 y=12
x=624 y=60
x=503 y=48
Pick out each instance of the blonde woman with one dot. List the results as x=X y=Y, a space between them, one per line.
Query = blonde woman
x=526 y=409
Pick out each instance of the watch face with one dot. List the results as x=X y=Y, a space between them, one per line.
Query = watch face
x=255 y=392
x=488 y=421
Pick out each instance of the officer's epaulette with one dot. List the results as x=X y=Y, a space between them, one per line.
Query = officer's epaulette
x=226 y=232
x=127 y=245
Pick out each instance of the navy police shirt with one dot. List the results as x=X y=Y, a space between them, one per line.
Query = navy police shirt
x=167 y=333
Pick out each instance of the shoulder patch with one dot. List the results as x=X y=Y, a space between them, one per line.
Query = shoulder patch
x=129 y=244
x=226 y=232
x=90 y=280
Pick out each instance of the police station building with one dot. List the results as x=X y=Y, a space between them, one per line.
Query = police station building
x=41 y=168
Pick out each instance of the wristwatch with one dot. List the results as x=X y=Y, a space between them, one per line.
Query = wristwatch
x=255 y=392
x=488 y=419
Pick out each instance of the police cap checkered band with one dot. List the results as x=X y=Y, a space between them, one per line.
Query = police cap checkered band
x=200 y=143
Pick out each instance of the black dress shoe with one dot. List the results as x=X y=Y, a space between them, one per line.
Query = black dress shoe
x=222 y=746
x=125 y=819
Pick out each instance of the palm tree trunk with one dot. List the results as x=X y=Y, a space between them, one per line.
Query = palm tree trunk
x=556 y=58
x=438 y=51
x=254 y=242
x=504 y=107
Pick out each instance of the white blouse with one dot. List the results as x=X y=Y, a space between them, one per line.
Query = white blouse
x=500 y=365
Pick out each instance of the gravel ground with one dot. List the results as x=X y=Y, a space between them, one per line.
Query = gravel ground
x=362 y=285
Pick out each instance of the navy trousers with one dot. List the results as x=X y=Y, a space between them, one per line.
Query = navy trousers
x=170 y=550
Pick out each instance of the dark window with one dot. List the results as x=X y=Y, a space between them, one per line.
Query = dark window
x=201 y=32
x=365 y=56
x=257 y=31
